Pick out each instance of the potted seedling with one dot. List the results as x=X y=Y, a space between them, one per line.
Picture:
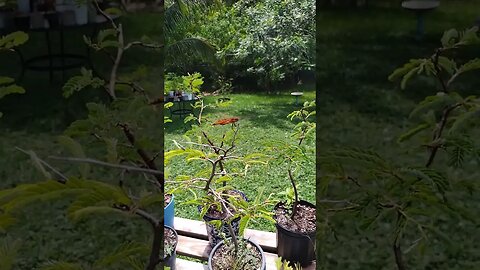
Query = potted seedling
x=170 y=246
x=236 y=255
x=295 y=218
x=236 y=252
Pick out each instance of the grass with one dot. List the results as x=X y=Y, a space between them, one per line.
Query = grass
x=356 y=50
x=263 y=118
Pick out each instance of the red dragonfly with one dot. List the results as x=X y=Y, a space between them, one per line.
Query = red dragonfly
x=226 y=121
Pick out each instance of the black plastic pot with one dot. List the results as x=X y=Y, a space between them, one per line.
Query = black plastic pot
x=264 y=262
x=293 y=246
x=214 y=235
x=171 y=258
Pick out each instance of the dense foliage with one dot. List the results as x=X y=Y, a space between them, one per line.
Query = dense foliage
x=411 y=201
x=268 y=41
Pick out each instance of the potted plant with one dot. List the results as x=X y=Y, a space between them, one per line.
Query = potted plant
x=214 y=198
x=243 y=254
x=234 y=251
x=295 y=218
x=296 y=229
x=170 y=246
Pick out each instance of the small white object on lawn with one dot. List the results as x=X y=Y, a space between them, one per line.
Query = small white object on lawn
x=296 y=95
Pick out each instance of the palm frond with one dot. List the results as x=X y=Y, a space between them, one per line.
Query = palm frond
x=191 y=48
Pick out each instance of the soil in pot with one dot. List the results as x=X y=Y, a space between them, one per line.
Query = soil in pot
x=296 y=235
x=249 y=257
x=170 y=246
x=214 y=235
x=167 y=199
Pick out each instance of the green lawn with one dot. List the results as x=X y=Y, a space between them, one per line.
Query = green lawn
x=356 y=50
x=263 y=118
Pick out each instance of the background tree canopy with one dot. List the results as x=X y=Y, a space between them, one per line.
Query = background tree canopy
x=267 y=41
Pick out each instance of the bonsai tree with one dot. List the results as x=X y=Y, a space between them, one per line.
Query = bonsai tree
x=412 y=198
x=212 y=186
x=296 y=216
x=236 y=252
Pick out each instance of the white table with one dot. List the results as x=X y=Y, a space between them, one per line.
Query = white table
x=420 y=8
x=296 y=95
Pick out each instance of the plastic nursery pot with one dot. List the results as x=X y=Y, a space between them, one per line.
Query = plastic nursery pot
x=170 y=259
x=169 y=212
x=213 y=234
x=214 y=250
x=294 y=246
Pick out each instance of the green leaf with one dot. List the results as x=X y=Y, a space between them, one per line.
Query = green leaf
x=122 y=253
x=13 y=40
x=95 y=211
x=77 y=151
x=149 y=200
x=447 y=64
x=470 y=65
x=412 y=132
x=103 y=34
x=436 y=179
x=243 y=225
x=112 y=153
x=465 y=119
x=407 y=77
x=61 y=266
x=406 y=68
x=9 y=251
x=80 y=82
x=436 y=102
x=449 y=37
x=5 y=222
x=11 y=89
x=6 y=80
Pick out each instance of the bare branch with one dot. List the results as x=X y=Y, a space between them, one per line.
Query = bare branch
x=102 y=163
x=62 y=176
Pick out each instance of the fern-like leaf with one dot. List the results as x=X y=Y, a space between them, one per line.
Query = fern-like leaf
x=122 y=253
x=8 y=253
x=61 y=266
x=412 y=132
x=77 y=151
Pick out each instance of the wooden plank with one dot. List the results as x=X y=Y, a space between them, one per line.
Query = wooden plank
x=192 y=247
x=181 y=264
x=200 y=249
x=197 y=229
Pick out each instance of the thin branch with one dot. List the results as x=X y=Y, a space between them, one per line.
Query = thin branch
x=438 y=71
x=62 y=176
x=105 y=15
x=102 y=163
x=438 y=134
x=118 y=59
x=142 y=153
x=295 y=191
x=143 y=44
